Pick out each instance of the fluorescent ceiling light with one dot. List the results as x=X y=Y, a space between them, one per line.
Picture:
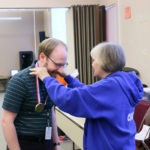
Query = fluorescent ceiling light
x=10 y=18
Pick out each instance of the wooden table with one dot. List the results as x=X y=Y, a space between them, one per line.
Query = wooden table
x=71 y=126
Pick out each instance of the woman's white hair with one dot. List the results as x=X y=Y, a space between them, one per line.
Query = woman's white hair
x=110 y=56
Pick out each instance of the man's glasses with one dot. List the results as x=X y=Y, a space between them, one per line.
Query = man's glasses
x=58 y=64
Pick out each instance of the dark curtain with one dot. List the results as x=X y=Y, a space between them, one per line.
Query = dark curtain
x=89 y=30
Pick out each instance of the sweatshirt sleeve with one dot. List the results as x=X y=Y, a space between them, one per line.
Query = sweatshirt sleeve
x=73 y=82
x=84 y=101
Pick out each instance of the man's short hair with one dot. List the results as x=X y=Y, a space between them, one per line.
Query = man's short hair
x=48 y=45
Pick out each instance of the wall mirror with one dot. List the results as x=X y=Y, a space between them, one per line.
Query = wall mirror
x=23 y=29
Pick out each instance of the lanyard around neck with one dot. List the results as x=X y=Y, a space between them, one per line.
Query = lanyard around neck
x=38 y=88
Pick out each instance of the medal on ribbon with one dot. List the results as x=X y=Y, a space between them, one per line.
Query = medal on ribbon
x=39 y=107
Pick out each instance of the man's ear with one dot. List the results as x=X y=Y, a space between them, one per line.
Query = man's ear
x=42 y=57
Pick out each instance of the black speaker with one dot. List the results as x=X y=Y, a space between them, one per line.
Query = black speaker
x=26 y=59
x=42 y=36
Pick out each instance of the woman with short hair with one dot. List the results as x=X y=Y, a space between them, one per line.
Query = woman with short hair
x=108 y=104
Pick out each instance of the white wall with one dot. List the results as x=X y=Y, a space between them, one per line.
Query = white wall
x=135 y=35
x=70 y=39
x=43 y=3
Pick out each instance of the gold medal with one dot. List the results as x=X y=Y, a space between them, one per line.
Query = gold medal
x=39 y=107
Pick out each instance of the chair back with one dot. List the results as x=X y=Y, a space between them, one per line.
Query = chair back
x=147 y=122
x=140 y=113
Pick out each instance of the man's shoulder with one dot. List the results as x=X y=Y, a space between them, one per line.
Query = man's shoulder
x=23 y=74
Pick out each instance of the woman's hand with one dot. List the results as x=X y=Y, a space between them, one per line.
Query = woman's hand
x=62 y=72
x=41 y=72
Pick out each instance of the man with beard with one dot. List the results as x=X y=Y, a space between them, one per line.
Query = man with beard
x=28 y=118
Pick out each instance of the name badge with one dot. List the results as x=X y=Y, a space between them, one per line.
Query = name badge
x=48 y=133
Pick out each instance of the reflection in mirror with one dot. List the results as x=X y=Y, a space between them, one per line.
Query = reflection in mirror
x=20 y=31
